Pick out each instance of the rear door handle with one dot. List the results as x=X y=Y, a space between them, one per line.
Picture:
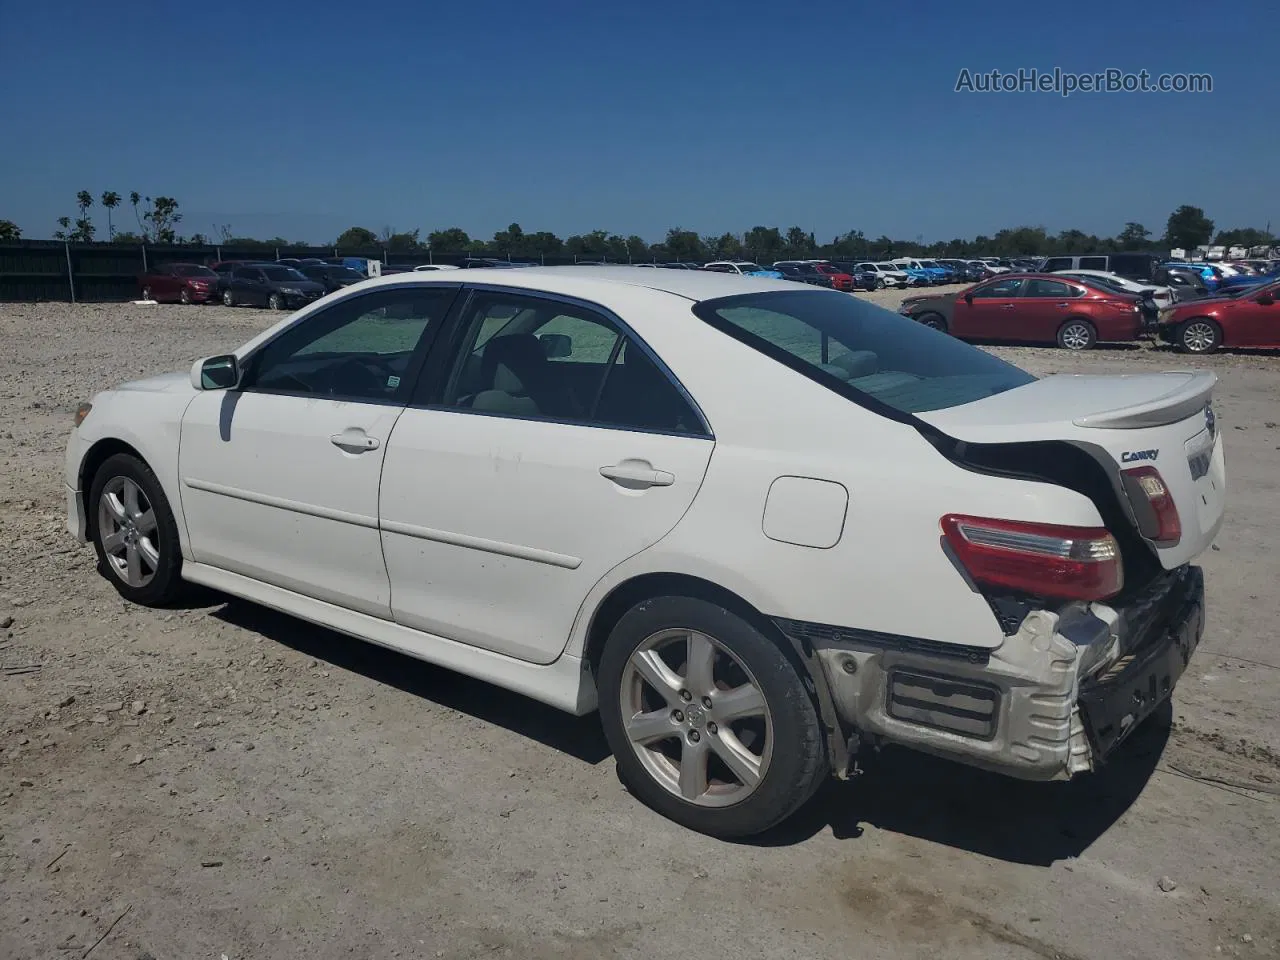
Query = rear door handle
x=637 y=475
x=1064 y=305
x=354 y=440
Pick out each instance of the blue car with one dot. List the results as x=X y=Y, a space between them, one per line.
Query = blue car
x=917 y=274
x=943 y=272
x=1250 y=279
x=1211 y=275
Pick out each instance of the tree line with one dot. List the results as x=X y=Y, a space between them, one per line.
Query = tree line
x=158 y=219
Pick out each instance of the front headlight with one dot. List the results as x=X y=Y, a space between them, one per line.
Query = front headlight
x=82 y=411
x=291 y=291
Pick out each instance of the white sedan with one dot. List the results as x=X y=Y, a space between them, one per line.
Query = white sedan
x=1163 y=296
x=759 y=527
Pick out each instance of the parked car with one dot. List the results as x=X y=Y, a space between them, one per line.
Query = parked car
x=840 y=279
x=743 y=268
x=739 y=619
x=1246 y=317
x=1187 y=280
x=916 y=270
x=941 y=271
x=803 y=272
x=1248 y=276
x=179 y=282
x=331 y=277
x=886 y=274
x=994 y=265
x=1032 y=308
x=1161 y=295
x=862 y=279
x=269 y=285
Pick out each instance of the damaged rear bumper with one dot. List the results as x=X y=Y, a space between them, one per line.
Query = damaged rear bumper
x=1053 y=700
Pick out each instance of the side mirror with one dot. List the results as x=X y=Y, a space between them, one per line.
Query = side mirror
x=216 y=373
x=968 y=297
x=1266 y=299
x=556 y=346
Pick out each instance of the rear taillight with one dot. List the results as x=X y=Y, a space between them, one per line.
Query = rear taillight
x=1153 y=505
x=1042 y=559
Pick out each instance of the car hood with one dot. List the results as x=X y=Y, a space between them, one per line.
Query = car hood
x=304 y=285
x=164 y=383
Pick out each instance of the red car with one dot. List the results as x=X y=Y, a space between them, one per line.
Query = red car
x=839 y=279
x=1032 y=308
x=1248 y=317
x=181 y=282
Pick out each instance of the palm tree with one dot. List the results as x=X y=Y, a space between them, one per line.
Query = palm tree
x=110 y=200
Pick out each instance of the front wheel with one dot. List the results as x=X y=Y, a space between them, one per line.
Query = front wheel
x=228 y=298
x=879 y=284
x=275 y=302
x=1199 y=335
x=134 y=534
x=710 y=723
x=1077 y=335
x=933 y=321
x=185 y=296
x=146 y=294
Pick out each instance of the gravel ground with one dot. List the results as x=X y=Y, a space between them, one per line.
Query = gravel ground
x=220 y=780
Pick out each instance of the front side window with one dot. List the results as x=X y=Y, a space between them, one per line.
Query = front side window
x=998 y=289
x=861 y=350
x=542 y=359
x=359 y=349
x=1054 y=264
x=1093 y=263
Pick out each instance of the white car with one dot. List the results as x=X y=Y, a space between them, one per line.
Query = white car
x=1162 y=296
x=433 y=267
x=759 y=526
x=887 y=274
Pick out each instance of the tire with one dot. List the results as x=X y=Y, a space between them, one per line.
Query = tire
x=146 y=294
x=185 y=296
x=128 y=506
x=228 y=298
x=784 y=723
x=879 y=283
x=274 y=302
x=1199 y=335
x=934 y=321
x=1077 y=334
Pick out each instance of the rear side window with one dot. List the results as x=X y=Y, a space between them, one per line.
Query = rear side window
x=862 y=351
x=1093 y=263
x=1054 y=264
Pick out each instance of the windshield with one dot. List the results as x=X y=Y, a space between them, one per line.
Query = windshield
x=750 y=267
x=860 y=350
x=888 y=266
x=282 y=273
x=191 y=270
x=928 y=265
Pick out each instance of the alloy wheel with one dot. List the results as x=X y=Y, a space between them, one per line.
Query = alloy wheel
x=1199 y=337
x=185 y=296
x=1076 y=336
x=129 y=532
x=228 y=299
x=696 y=718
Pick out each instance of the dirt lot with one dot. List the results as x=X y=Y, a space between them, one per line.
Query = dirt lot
x=221 y=780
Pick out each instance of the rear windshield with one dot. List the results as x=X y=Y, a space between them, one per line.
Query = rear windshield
x=861 y=350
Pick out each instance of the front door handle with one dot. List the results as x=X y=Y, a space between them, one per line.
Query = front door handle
x=637 y=475
x=354 y=440
x=1010 y=306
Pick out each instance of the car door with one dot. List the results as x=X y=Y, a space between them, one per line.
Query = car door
x=546 y=448
x=279 y=477
x=1044 y=306
x=1254 y=320
x=986 y=311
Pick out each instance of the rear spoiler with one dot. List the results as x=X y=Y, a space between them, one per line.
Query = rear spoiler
x=1183 y=401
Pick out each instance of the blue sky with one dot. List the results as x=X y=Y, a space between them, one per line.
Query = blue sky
x=302 y=119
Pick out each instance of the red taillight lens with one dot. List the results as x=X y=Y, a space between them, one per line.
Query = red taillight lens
x=1042 y=559
x=1161 y=524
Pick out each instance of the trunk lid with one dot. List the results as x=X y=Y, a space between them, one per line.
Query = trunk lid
x=1162 y=420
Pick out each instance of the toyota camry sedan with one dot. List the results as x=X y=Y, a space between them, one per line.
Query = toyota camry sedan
x=760 y=527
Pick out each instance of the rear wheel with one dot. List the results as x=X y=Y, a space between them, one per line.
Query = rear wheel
x=228 y=298
x=933 y=321
x=135 y=535
x=708 y=720
x=1199 y=335
x=185 y=296
x=146 y=294
x=879 y=283
x=1077 y=335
